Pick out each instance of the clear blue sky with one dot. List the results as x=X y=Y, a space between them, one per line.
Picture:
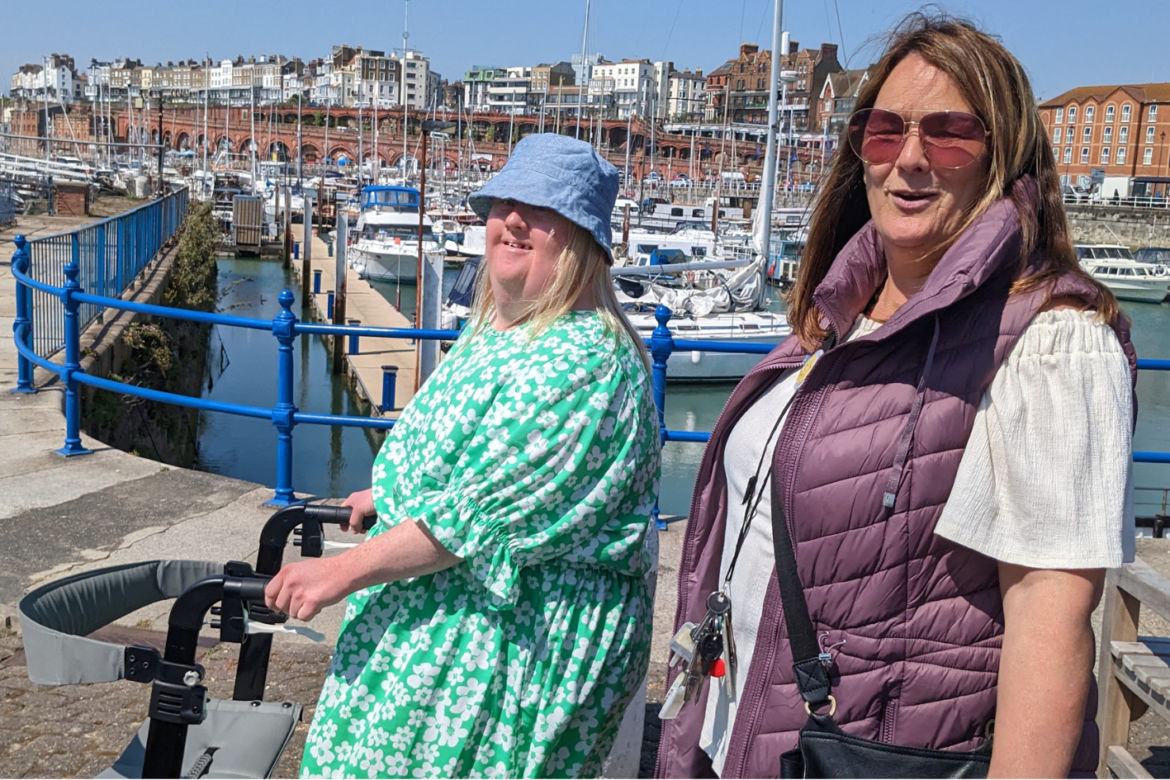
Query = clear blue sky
x=1062 y=44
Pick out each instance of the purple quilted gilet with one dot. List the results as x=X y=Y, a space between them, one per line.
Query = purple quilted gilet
x=864 y=464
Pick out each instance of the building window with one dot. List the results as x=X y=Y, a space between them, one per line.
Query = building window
x=1150 y=134
x=1108 y=135
x=1072 y=114
x=1148 y=155
x=1084 y=154
x=1088 y=131
x=1109 y=114
x=1056 y=136
x=1153 y=114
x=1120 y=155
x=1125 y=112
x=1059 y=116
x=1104 y=155
x=1089 y=111
x=1123 y=134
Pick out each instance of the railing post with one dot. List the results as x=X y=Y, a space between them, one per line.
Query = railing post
x=389 y=385
x=72 y=354
x=355 y=346
x=661 y=345
x=120 y=257
x=22 y=325
x=100 y=264
x=282 y=415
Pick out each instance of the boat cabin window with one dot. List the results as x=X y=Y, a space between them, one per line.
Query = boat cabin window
x=697 y=213
x=676 y=212
x=391 y=232
x=390 y=198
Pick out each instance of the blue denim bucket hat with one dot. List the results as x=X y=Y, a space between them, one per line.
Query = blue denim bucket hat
x=560 y=173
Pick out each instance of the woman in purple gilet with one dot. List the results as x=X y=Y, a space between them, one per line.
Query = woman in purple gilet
x=947 y=435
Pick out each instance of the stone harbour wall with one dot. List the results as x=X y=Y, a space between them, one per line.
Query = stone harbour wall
x=1110 y=225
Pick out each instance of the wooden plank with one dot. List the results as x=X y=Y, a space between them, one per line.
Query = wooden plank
x=1122 y=764
x=1146 y=682
x=1147 y=586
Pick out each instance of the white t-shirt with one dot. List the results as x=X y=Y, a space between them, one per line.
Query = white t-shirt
x=1045 y=480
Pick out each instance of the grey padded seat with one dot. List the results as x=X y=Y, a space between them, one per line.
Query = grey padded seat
x=247 y=737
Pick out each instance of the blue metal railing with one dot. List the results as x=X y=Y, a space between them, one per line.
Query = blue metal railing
x=285 y=327
x=109 y=256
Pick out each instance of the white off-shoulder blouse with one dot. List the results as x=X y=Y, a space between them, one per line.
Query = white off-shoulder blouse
x=1046 y=479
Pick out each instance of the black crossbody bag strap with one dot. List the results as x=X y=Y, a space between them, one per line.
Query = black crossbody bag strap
x=812 y=676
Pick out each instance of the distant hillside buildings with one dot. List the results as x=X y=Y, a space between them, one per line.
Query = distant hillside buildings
x=354 y=76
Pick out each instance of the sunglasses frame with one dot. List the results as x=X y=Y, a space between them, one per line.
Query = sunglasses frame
x=922 y=140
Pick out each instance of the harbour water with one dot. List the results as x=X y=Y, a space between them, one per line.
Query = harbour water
x=332 y=461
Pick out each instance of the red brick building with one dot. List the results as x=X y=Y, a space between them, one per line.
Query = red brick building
x=740 y=86
x=1114 y=137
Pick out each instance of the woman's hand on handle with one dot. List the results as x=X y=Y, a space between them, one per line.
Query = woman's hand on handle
x=304 y=588
x=361 y=505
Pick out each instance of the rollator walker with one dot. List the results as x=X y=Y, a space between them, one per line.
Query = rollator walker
x=187 y=734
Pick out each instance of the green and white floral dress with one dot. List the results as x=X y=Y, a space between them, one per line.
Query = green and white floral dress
x=536 y=461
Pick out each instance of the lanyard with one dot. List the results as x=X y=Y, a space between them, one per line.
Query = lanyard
x=755 y=486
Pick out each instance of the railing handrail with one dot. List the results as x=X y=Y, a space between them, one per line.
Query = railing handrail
x=285 y=327
x=105 y=221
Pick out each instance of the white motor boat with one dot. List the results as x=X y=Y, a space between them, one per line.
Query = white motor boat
x=1130 y=280
x=386 y=246
x=472 y=242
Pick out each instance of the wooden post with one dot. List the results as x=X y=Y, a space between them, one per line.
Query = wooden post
x=307 y=250
x=339 y=271
x=286 y=191
x=1116 y=706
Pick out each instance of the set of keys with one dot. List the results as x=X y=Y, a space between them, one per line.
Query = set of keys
x=707 y=650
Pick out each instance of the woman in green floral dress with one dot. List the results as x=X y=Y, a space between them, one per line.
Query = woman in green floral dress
x=499 y=615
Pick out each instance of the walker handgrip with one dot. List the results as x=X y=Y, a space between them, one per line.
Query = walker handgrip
x=246 y=588
x=339 y=515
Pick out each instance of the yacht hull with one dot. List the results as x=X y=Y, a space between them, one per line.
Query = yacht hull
x=391 y=266
x=699 y=365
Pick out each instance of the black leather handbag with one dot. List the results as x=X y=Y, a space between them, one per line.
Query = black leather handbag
x=824 y=749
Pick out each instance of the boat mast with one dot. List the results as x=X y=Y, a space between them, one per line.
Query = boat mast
x=377 y=96
x=581 y=87
x=45 y=100
x=206 y=76
x=405 y=35
x=767 y=194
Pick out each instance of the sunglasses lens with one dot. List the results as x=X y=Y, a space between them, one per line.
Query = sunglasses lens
x=875 y=135
x=952 y=139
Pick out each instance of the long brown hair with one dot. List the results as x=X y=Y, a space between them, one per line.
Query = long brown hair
x=581 y=266
x=994 y=83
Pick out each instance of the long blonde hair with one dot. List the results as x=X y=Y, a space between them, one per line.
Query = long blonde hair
x=582 y=266
x=994 y=83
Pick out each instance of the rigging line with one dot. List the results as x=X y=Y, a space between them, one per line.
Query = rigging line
x=670 y=33
x=764 y=9
x=840 y=32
